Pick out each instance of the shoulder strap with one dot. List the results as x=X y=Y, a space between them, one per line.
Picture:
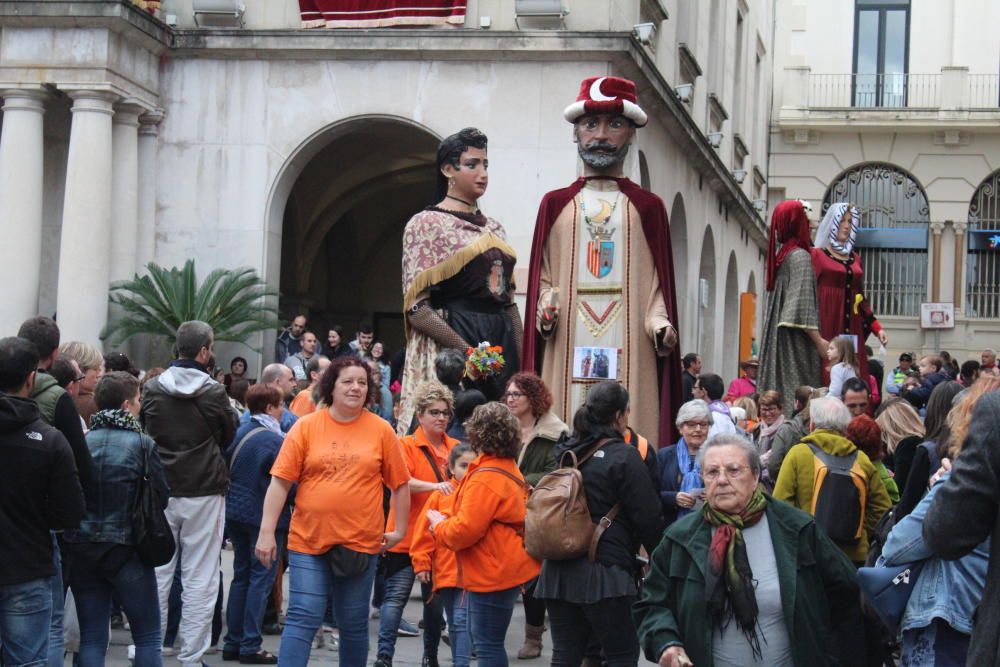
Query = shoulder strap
x=599 y=529
x=434 y=465
x=243 y=441
x=831 y=461
x=518 y=528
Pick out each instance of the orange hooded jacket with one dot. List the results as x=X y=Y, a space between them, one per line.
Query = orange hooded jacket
x=486 y=529
x=428 y=554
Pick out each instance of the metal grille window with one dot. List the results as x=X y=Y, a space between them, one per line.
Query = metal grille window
x=892 y=236
x=982 y=266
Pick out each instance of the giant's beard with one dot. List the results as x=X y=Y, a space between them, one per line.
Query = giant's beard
x=593 y=154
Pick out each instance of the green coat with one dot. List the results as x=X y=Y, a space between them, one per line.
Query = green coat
x=535 y=459
x=818 y=590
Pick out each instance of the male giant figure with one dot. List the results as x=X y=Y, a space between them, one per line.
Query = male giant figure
x=601 y=275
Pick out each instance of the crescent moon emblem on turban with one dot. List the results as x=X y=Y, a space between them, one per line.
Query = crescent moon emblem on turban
x=596 y=94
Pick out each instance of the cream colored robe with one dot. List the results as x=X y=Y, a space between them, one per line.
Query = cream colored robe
x=643 y=313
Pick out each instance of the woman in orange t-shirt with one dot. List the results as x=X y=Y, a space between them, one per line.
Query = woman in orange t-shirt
x=426 y=454
x=340 y=458
x=485 y=530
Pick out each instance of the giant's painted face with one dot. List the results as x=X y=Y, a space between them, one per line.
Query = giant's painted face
x=603 y=140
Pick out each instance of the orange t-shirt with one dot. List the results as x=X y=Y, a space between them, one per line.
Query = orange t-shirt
x=340 y=469
x=302 y=404
x=420 y=468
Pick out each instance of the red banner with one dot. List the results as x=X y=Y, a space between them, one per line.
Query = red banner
x=380 y=13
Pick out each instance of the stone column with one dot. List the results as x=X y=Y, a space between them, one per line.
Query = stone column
x=961 y=252
x=21 y=178
x=124 y=189
x=85 y=249
x=148 y=143
x=937 y=228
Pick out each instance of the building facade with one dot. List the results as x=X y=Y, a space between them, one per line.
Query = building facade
x=894 y=105
x=128 y=138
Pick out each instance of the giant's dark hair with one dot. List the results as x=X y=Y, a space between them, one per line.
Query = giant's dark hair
x=450 y=152
x=596 y=418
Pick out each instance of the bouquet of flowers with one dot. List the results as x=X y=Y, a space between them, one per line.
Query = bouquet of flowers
x=484 y=361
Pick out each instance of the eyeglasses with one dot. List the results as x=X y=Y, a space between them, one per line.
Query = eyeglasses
x=437 y=414
x=697 y=425
x=79 y=379
x=732 y=472
x=514 y=394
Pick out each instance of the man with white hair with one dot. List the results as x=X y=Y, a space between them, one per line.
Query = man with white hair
x=841 y=469
x=989 y=363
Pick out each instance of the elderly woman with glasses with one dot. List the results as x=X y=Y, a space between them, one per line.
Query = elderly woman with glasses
x=746 y=580
x=426 y=454
x=681 y=486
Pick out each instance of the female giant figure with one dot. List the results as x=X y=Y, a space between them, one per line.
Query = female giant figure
x=792 y=349
x=843 y=309
x=458 y=284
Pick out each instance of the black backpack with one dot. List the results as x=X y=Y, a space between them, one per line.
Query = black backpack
x=840 y=494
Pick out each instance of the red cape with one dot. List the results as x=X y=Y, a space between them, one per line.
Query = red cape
x=657 y=232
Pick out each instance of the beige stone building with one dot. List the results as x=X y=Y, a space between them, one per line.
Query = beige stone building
x=895 y=105
x=128 y=137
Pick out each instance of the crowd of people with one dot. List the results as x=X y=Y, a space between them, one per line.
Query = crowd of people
x=658 y=512
x=303 y=472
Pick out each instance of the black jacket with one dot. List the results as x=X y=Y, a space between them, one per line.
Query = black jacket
x=189 y=416
x=39 y=491
x=616 y=473
x=966 y=511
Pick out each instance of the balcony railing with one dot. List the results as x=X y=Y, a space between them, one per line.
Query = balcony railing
x=984 y=91
x=878 y=91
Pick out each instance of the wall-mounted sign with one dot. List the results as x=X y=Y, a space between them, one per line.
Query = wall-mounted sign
x=937 y=315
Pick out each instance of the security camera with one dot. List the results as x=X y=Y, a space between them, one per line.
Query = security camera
x=644 y=32
x=684 y=92
x=715 y=139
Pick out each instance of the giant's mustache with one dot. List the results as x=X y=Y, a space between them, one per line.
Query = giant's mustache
x=601 y=146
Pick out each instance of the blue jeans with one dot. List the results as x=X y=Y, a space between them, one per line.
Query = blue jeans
x=248 y=593
x=135 y=585
x=394 y=597
x=25 y=616
x=310 y=584
x=55 y=651
x=489 y=618
x=458 y=625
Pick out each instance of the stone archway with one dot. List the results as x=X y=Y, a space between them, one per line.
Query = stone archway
x=706 y=304
x=679 y=243
x=340 y=208
x=731 y=320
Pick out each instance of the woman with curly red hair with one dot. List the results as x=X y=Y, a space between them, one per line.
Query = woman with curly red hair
x=530 y=401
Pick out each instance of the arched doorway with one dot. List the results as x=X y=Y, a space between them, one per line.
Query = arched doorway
x=892 y=236
x=705 y=338
x=982 y=268
x=356 y=184
x=679 y=243
x=731 y=320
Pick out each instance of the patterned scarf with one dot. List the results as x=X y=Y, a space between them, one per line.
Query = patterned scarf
x=829 y=228
x=728 y=578
x=118 y=418
x=690 y=472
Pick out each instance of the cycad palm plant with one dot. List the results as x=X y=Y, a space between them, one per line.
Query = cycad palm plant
x=232 y=301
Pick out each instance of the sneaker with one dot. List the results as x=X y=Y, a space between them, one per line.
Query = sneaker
x=261 y=657
x=429 y=661
x=319 y=640
x=382 y=661
x=406 y=629
x=374 y=613
x=212 y=650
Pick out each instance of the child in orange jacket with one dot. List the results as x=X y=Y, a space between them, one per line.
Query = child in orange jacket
x=435 y=563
